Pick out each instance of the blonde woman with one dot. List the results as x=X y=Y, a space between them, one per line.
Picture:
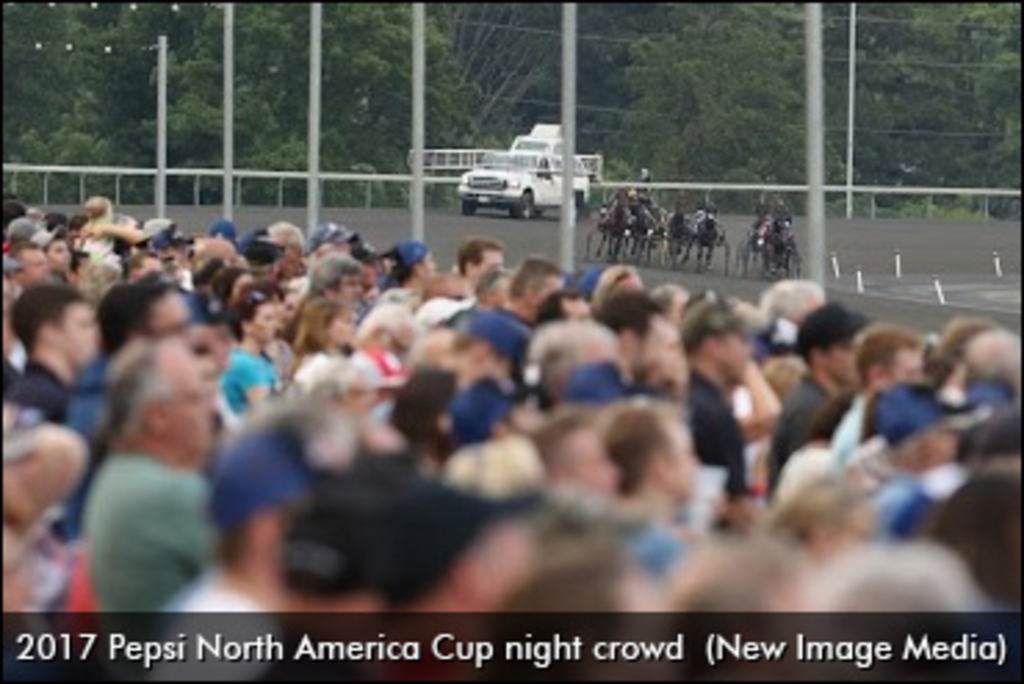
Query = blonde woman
x=325 y=331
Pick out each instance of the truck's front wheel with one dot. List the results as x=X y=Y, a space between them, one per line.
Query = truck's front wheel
x=468 y=207
x=525 y=209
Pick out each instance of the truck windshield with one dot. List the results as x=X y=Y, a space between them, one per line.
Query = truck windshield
x=531 y=146
x=505 y=160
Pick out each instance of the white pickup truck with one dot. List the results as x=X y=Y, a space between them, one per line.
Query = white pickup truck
x=524 y=183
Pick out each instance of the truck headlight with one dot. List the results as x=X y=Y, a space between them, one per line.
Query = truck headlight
x=514 y=185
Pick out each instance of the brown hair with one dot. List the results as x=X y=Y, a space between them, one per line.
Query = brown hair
x=472 y=251
x=565 y=422
x=943 y=360
x=41 y=305
x=879 y=345
x=634 y=436
x=419 y=407
x=531 y=275
x=250 y=299
x=314 y=321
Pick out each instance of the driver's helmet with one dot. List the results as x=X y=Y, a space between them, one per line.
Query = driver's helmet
x=632 y=194
x=645 y=175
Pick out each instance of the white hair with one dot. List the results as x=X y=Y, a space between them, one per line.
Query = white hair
x=390 y=318
x=994 y=355
x=791 y=299
x=287 y=235
x=917 y=577
x=560 y=346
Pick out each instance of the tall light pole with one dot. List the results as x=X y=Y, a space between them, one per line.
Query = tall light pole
x=815 y=142
x=568 y=217
x=852 y=81
x=161 y=128
x=316 y=17
x=229 y=111
x=419 y=69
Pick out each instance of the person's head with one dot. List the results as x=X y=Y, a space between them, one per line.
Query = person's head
x=993 y=356
x=944 y=364
x=388 y=326
x=533 y=282
x=97 y=278
x=290 y=239
x=337 y=277
x=906 y=578
x=648 y=344
x=498 y=469
x=229 y=281
x=653 y=450
x=99 y=208
x=413 y=264
x=495 y=344
x=613 y=280
x=151 y=308
x=58 y=328
x=888 y=355
x=563 y=305
x=140 y=265
x=492 y=288
x=574 y=455
x=482 y=412
x=825 y=517
x=343 y=388
x=13 y=209
x=446 y=285
x=57 y=250
x=452 y=550
x=559 y=347
x=981 y=523
x=324 y=326
x=436 y=348
x=716 y=342
x=783 y=374
x=673 y=300
x=258 y=313
x=792 y=300
x=160 y=404
x=477 y=256
x=420 y=414
x=35 y=268
x=826 y=343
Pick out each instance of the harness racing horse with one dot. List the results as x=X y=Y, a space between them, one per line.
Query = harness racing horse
x=781 y=254
x=753 y=247
x=708 y=234
x=613 y=228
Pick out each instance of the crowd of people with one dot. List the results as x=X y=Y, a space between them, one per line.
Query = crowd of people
x=200 y=419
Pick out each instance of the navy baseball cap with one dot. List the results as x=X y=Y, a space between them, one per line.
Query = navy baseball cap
x=475 y=411
x=170 y=237
x=411 y=252
x=257 y=248
x=587 y=282
x=223 y=228
x=595 y=383
x=259 y=472
x=329 y=234
x=431 y=526
x=508 y=337
x=910 y=409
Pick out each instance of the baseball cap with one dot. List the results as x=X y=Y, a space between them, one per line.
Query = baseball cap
x=155 y=226
x=335 y=540
x=476 y=410
x=259 y=472
x=206 y=309
x=431 y=526
x=827 y=327
x=223 y=228
x=170 y=237
x=910 y=409
x=411 y=252
x=587 y=282
x=440 y=310
x=22 y=229
x=710 y=318
x=329 y=234
x=257 y=248
x=507 y=336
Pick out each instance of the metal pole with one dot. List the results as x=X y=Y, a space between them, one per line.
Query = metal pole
x=161 y=129
x=316 y=16
x=815 y=142
x=229 y=111
x=849 y=110
x=419 y=69
x=568 y=216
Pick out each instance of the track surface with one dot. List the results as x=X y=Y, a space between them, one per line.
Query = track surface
x=961 y=254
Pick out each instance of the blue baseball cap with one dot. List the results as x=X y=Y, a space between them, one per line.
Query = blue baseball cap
x=595 y=383
x=587 y=282
x=225 y=229
x=329 y=234
x=259 y=472
x=509 y=337
x=475 y=411
x=910 y=409
x=411 y=252
x=991 y=393
x=169 y=237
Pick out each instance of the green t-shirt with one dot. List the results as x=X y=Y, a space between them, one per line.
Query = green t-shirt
x=148 y=532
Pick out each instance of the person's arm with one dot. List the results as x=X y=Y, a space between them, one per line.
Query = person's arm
x=127 y=233
x=765 y=406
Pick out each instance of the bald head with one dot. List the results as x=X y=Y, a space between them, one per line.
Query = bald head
x=994 y=355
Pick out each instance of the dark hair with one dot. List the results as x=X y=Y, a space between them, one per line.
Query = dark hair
x=135 y=261
x=77 y=222
x=224 y=282
x=126 y=309
x=633 y=437
x=828 y=417
x=21 y=246
x=472 y=251
x=531 y=275
x=41 y=305
x=630 y=310
x=551 y=309
x=245 y=307
x=419 y=406
x=981 y=523
x=13 y=209
x=205 y=276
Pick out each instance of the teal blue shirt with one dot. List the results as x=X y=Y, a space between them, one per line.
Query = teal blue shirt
x=246 y=372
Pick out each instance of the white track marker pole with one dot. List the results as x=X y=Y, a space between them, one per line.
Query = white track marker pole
x=938 y=291
x=899 y=265
x=860 y=281
x=835 y=265
x=998 y=264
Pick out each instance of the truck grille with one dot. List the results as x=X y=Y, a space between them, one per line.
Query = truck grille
x=486 y=183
